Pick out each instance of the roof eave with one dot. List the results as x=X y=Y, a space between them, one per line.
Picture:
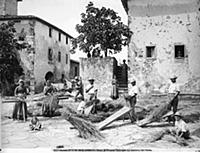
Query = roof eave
x=125 y=5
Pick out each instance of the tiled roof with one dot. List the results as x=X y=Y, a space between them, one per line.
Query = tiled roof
x=31 y=17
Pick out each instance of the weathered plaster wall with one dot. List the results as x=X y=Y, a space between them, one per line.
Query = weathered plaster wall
x=43 y=43
x=8 y=7
x=34 y=59
x=164 y=24
x=101 y=69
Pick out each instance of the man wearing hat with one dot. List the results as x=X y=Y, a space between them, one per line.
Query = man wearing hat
x=181 y=127
x=91 y=90
x=173 y=93
x=131 y=100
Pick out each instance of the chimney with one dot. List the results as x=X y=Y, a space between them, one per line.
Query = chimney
x=9 y=7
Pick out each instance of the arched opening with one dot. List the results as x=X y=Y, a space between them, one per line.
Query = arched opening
x=49 y=76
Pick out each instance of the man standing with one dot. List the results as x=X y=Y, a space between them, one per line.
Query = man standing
x=125 y=72
x=131 y=100
x=173 y=93
x=90 y=90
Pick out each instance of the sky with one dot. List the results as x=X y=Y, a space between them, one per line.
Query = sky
x=65 y=14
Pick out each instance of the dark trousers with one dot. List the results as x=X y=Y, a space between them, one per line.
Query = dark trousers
x=185 y=135
x=131 y=103
x=80 y=91
x=174 y=105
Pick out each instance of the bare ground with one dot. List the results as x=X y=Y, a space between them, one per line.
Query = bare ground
x=118 y=135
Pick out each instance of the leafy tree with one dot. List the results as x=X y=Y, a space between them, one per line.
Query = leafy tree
x=101 y=29
x=9 y=58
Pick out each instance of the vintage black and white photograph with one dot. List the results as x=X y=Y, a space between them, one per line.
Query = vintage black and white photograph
x=100 y=75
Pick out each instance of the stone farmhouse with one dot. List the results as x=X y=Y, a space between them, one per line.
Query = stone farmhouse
x=48 y=51
x=165 y=41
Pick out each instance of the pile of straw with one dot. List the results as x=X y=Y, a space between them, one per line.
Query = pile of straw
x=86 y=129
x=91 y=117
x=155 y=115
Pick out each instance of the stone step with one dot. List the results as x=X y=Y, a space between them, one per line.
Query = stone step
x=122 y=85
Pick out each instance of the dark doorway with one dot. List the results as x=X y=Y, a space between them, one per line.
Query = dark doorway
x=49 y=76
x=76 y=71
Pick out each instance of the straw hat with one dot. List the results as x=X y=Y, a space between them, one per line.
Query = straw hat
x=133 y=81
x=90 y=79
x=76 y=78
x=178 y=114
x=173 y=76
x=73 y=80
x=20 y=80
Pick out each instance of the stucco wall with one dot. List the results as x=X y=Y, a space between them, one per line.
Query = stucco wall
x=164 y=24
x=101 y=69
x=34 y=59
x=43 y=43
x=8 y=7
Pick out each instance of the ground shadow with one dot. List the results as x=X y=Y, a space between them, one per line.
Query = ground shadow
x=116 y=126
x=160 y=125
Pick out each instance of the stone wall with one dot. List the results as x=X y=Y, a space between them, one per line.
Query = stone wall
x=8 y=7
x=164 y=24
x=101 y=69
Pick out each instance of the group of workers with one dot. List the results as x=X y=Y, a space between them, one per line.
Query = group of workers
x=48 y=108
x=50 y=105
x=181 y=128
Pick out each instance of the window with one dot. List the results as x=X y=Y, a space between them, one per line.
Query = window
x=59 y=36
x=66 y=58
x=59 y=56
x=66 y=40
x=150 y=51
x=179 y=51
x=50 y=32
x=50 y=54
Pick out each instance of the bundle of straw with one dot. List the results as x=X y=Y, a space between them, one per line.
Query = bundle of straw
x=85 y=128
x=157 y=114
x=91 y=117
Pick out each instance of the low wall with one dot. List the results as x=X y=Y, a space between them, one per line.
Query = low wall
x=100 y=69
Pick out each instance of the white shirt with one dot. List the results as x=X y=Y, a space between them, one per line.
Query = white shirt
x=181 y=125
x=81 y=106
x=92 y=90
x=133 y=90
x=173 y=88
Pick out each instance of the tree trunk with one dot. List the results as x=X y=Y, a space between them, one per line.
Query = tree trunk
x=106 y=53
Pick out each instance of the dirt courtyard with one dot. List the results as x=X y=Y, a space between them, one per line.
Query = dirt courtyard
x=119 y=135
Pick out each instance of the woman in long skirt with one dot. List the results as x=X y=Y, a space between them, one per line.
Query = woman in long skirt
x=114 y=94
x=50 y=104
x=20 y=107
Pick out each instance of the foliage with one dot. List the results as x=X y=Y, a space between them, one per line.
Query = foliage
x=101 y=30
x=9 y=61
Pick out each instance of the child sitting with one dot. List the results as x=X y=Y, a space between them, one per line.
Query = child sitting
x=35 y=124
